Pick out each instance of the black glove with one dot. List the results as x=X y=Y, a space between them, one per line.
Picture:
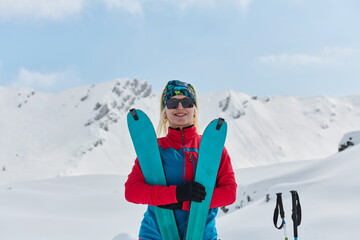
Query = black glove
x=190 y=191
x=172 y=206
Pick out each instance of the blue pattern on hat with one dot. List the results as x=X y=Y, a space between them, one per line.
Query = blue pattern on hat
x=176 y=87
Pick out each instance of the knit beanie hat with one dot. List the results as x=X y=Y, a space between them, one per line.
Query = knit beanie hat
x=176 y=87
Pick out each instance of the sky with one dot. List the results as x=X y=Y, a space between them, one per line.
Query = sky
x=274 y=47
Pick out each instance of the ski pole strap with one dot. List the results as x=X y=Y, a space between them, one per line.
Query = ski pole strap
x=296 y=212
x=279 y=209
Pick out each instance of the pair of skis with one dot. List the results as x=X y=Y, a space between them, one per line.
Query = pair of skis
x=147 y=150
x=296 y=213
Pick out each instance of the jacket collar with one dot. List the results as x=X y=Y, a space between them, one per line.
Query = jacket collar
x=182 y=135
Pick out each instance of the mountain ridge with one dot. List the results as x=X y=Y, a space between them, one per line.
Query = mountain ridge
x=83 y=130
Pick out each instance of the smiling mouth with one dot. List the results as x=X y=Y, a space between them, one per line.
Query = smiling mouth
x=180 y=114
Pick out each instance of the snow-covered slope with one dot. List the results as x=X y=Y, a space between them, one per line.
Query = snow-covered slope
x=276 y=129
x=83 y=130
x=78 y=131
x=93 y=207
x=349 y=139
x=328 y=195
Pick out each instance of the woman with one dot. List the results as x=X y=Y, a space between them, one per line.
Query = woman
x=179 y=153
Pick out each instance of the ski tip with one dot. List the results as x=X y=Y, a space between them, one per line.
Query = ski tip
x=134 y=114
x=220 y=123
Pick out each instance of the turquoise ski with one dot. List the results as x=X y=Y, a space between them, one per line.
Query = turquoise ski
x=147 y=150
x=210 y=151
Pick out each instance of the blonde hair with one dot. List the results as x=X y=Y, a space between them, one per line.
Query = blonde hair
x=163 y=125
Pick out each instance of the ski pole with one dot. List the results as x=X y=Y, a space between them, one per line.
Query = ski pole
x=280 y=209
x=296 y=212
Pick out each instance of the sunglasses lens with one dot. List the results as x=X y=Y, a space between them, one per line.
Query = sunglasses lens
x=185 y=102
x=172 y=104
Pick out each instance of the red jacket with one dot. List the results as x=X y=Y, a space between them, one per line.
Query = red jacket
x=179 y=152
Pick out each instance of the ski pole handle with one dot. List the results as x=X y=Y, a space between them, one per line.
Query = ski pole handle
x=296 y=212
x=279 y=209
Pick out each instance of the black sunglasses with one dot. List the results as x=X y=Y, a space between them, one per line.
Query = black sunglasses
x=185 y=102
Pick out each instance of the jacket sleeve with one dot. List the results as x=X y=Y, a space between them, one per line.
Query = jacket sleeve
x=138 y=191
x=225 y=189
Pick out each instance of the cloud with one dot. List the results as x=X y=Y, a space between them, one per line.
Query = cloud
x=186 y=4
x=43 y=9
x=131 y=6
x=339 y=52
x=61 y=9
x=328 y=56
x=242 y=5
x=42 y=81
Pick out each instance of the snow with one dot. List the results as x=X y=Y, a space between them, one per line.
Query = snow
x=349 y=139
x=86 y=207
x=83 y=130
x=64 y=159
x=93 y=206
x=328 y=195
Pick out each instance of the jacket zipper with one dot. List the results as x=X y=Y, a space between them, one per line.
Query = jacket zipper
x=184 y=155
x=192 y=160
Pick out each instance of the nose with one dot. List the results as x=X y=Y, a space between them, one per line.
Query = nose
x=180 y=106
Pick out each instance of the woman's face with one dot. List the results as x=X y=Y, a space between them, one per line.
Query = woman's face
x=180 y=117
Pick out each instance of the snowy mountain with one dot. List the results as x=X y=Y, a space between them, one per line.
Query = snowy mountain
x=64 y=160
x=83 y=130
x=328 y=195
x=349 y=139
x=93 y=207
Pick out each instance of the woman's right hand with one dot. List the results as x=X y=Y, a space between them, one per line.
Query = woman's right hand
x=190 y=191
